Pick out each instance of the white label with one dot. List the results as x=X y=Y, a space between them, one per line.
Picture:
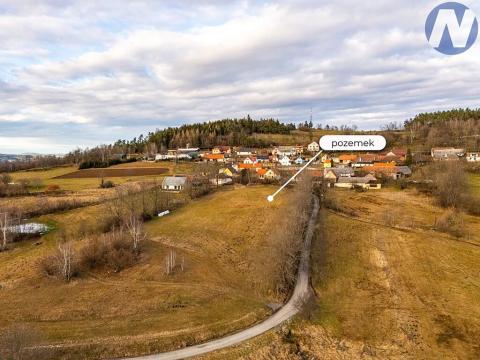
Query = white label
x=352 y=142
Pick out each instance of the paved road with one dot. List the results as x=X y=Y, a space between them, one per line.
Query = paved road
x=286 y=312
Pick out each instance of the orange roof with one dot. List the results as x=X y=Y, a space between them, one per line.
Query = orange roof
x=383 y=165
x=249 y=166
x=214 y=156
x=262 y=172
x=347 y=157
x=328 y=161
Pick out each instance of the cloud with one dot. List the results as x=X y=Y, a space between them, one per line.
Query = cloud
x=102 y=72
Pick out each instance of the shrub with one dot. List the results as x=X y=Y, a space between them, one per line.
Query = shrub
x=451 y=222
x=106 y=184
x=112 y=251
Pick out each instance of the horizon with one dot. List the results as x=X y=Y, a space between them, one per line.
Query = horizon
x=90 y=75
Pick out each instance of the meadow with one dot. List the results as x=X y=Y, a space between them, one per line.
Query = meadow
x=141 y=309
x=387 y=285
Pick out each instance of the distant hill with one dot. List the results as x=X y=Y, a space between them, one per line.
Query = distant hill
x=235 y=132
x=457 y=127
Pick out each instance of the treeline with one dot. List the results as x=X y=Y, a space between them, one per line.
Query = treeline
x=235 y=132
x=35 y=162
x=457 y=127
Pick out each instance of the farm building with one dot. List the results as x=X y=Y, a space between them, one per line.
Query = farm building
x=447 y=153
x=174 y=183
x=366 y=182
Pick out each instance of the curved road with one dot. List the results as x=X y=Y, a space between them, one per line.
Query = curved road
x=291 y=308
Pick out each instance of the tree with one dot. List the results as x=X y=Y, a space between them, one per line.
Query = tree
x=66 y=255
x=5 y=223
x=409 y=157
x=5 y=179
x=134 y=226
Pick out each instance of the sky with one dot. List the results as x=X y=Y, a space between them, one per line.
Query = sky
x=82 y=73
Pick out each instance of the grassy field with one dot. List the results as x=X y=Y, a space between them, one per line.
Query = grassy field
x=474 y=181
x=386 y=287
x=141 y=309
x=50 y=176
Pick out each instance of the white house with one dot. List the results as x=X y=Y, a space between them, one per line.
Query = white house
x=313 y=147
x=174 y=183
x=299 y=161
x=285 y=161
x=285 y=150
x=473 y=157
x=250 y=160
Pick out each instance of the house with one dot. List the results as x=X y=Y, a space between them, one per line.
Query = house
x=174 y=183
x=347 y=159
x=229 y=171
x=365 y=160
x=285 y=161
x=389 y=170
x=187 y=150
x=249 y=166
x=401 y=153
x=268 y=174
x=299 y=149
x=222 y=150
x=263 y=158
x=214 y=157
x=367 y=182
x=313 y=147
x=285 y=151
x=245 y=151
x=447 y=153
x=160 y=157
x=250 y=160
x=473 y=156
x=299 y=161
x=333 y=174
x=221 y=180
x=327 y=164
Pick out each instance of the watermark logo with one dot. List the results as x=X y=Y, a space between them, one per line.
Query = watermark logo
x=451 y=28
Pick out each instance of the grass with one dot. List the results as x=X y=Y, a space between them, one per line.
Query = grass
x=48 y=177
x=141 y=310
x=387 y=291
x=474 y=181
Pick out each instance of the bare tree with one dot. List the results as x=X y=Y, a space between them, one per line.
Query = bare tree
x=5 y=223
x=134 y=226
x=170 y=262
x=66 y=258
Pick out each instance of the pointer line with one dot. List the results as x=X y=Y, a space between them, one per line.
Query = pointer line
x=271 y=197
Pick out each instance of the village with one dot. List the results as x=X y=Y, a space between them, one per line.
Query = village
x=368 y=171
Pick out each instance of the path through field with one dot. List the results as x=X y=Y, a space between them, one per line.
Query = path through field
x=291 y=308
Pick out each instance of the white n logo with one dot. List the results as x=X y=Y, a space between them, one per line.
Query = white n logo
x=459 y=33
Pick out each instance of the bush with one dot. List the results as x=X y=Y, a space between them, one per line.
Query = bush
x=107 y=184
x=451 y=222
x=112 y=251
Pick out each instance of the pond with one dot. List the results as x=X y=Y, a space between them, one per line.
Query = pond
x=29 y=229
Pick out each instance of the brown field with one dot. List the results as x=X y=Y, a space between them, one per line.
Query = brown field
x=388 y=286
x=141 y=309
x=113 y=172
